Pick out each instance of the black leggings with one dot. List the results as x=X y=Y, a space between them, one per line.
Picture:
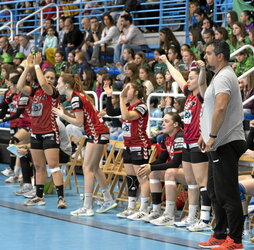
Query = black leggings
x=26 y=168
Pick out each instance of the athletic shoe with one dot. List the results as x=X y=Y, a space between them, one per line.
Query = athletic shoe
x=31 y=194
x=61 y=203
x=37 y=201
x=106 y=205
x=126 y=213
x=26 y=187
x=212 y=242
x=7 y=172
x=138 y=215
x=229 y=244
x=186 y=222
x=199 y=226
x=164 y=220
x=152 y=216
x=12 y=179
x=82 y=211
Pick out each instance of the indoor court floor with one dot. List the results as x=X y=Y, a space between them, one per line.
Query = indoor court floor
x=48 y=228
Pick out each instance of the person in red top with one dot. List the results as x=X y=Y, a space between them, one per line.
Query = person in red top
x=98 y=134
x=45 y=140
x=195 y=162
x=137 y=147
x=166 y=167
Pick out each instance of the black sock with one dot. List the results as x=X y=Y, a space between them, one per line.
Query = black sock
x=60 y=191
x=26 y=169
x=39 y=190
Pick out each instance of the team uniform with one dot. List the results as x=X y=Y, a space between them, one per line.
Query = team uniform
x=171 y=152
x=191 y=121
x=94 y=128
x=136 y=141
x=45 y=133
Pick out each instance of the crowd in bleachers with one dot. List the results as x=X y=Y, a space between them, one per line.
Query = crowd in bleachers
x=75 y=60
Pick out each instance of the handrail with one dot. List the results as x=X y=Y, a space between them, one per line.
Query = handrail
x=9 y=24
x=95 y=98
x=248 y=100
x=41 y=19
x=247 y=46
x=248 y=72
x=148 y=106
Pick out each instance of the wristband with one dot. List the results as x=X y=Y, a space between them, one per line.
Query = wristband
x=213 y=136
x=36 y=66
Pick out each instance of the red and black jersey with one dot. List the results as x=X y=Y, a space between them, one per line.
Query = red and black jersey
x=171 y=152
x=12 y=100
x=134 y=132
x=23 y=103
x=43 y=120
x=192 y=109
x=93 y=124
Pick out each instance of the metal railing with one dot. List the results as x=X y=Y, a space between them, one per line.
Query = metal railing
x=40 y=27
x=9 y=24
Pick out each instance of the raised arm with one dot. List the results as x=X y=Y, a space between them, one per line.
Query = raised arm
x=48 y=89
x=202 y=84
x=21 y=85
x=177 y=76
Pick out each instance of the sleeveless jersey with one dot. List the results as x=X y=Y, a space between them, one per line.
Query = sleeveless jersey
x=134 y=132
x=24 y=119
x=93 y=124
x=11 y=100
x=192 y=109
x=43 y=120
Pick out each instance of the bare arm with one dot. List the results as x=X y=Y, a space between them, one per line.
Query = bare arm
x=202 y=84
x=126 y=114
x=174 y=72
x=47 y=88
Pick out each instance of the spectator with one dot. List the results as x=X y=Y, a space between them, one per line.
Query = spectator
x=73 y=36
x=157 y=65
x=5 y=46
x=89 y=82
x=130 y=37
x=67 y=9
x=62 y=31
x=107 y=42
x=206 y=24
x=147 y=79
x=60 y=65
x=140 y=59
x=48 y=23
x=221 y=33
x=80 y=59
x=199 y=15
x=232 y=17
x=208 y=36
x=245 y=18
x=168 y=40
x=193 y=5
x=251 y=36
x=209 y=10
x=19 y=57
x=72 y=66
x=25 y=45
x=174 y=56
x=195 y=41
x=50 y=43
x=244 y=62
x=160 y=82
x=47 y=12
x=189 y=59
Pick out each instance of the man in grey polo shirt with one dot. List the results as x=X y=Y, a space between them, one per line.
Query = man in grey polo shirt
x=223 y=139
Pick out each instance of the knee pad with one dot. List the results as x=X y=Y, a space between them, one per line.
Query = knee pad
x=133 y=185
x=14 y=140
x=242 y=192
x=54 y=170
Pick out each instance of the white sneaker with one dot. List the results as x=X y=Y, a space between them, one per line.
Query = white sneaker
x=186 y=222
x=126 y=213
x=12 y=179
x=37 y=201
x=138 y=215
x=30 y=194
x=82 y=211
x=200 y=225
x=7 y=172
x=106 y=205
x=152 y=216
x=164 y=220
x=26 y=187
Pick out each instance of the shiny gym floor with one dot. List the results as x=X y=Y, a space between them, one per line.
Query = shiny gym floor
x=46 y=227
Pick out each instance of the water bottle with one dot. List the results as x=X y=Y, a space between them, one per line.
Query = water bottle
x=247 y=228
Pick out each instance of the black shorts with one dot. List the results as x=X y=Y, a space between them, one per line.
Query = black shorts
x=136 y=155
x=13 y=130
x=63 y=157
x=194 y=155
x=45 y=141
x=102 y=139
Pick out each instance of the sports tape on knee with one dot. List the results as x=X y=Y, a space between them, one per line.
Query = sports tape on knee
x=154 y=181
x=193 y=186
x=170 y=182
x=53 y=170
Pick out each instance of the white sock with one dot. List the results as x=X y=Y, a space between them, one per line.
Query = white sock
x=144 y=203
x=193 y=210
x=132 y=202
x=157 y=208
x=88 y=202
x=170 y=208
x=106 y=195
x=205 y=213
